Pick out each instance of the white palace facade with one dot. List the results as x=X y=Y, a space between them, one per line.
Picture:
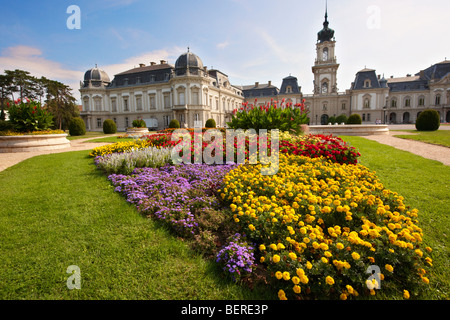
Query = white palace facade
x=190 y=92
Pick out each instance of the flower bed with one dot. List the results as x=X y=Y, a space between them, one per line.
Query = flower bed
x=30 y=143
x=320 y=226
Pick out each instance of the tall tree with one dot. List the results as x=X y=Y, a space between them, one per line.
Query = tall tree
x=6 y=83
x=60 y=103
x=23 y=82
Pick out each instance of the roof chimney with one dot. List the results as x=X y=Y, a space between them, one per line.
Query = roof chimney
x=270 y=83
x=256 y=84
x=141 y=65
x=162 y=61
x=408 y=75
x=152 y=63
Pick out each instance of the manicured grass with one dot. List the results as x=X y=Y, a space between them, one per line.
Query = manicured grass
x=89 y=134
x=112 y=139
x=425 y=185
x=59 y=210
x=441 y=137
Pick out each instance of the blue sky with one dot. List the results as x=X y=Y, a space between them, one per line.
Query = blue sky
x=250 y=40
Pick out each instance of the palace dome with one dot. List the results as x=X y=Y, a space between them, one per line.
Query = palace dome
x=96 y=77
x=188 y=60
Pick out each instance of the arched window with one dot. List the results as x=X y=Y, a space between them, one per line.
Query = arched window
x=394 y=103
x=324 y=119
x=438 y=100
x=325 y=54
x=325 y=87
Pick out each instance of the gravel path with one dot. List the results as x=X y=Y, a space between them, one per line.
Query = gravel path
x=426 y=150
x=9 y=159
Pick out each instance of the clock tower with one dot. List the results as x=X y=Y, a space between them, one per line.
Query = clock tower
x=325 y=67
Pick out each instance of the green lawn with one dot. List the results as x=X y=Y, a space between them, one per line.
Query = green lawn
x=112 y=139
x=59 y=210
x=441 y=137
x=425 y=184
x=89 y=134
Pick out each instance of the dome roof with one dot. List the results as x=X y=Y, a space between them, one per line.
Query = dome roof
x=326 y=34
x=96 y=76
x=190 y=60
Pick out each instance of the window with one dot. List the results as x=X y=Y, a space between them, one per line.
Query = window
x=181 y=100
x=421 y=101
x=181 y=118
x=394 y=103
x=99 y=122
x=325 y=87
x=166 y=120
x=98 y=104
x=368 y=117
x=127 y=123
x=197 y=117
x=125 y=105
x=217 y=104
x=325 y=54
x=166 y=101
x=364 y=117
x=438 y=100
x=113 y=105
x=115 y=120
x=367 y=83
x=138 y=103
x=289 y=89
x=344 y=106
x=86 y=104
x=407 y=102
x=195 y=98
x=153 y=102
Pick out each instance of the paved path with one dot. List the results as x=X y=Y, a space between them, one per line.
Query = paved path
x=426 y=150
x=9 y=159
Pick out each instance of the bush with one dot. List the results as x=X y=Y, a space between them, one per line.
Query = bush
x=285 y=117
x=6 y=125
x=174 y=124
x=354 y=119
x=29 y=116
x=139 y=123
x=77 y=127
x=341 y=119
x=428 y=120
x=109 y=126
x=332 y=120
x=210 y=123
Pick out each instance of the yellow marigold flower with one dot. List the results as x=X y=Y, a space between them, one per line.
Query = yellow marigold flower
x=262 y=247
x=251 y=227
x=419 y=252
x=324 y=260
x=281 y=295
x=278 y=275
x=280 y=246
x=329 y=280
x=370 y=285
x=297 y=289
x=324 y=246
x=406 y=294
x=328 y=254
x=300 y=272
x=296 y=280
x=429 y=261
x=428 y=249
x=426 y=280
x=306 y=240
x=262 y=259
x=276 y=258
x=372 y=292
x=371 y=259
x=316 y=245
x=340 y=246
x=286 y=276
x=349 y=289
x=343 y=296
x=389 y=268
x=273 y=247
x=292 y=255
x=355 y=256
x=308 y=265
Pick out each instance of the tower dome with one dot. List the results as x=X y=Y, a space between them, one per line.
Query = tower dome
x=326 y=34
x=96 y=77
x=188 y=60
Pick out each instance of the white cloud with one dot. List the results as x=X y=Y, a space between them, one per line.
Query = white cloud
x=223 y=45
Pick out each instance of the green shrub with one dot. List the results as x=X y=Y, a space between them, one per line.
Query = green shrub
x=27 y=116
x=77 y=127
x=210 y=123
x=174 y=124
x=6 y=125
x=139 y=123
x=332 y=120
x=428 y=120
x=354 y=119
x=109 y=126
x=341 y=119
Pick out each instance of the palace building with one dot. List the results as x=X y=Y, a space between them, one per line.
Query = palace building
x=192 y=93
